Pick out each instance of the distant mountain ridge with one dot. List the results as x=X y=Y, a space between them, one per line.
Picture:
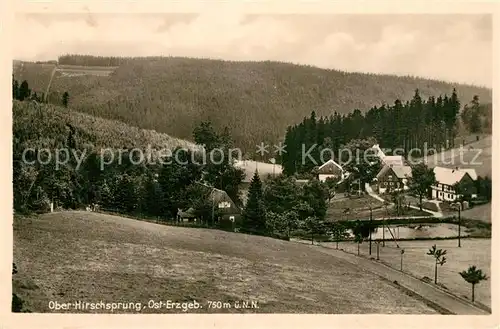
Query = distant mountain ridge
x=256 y=100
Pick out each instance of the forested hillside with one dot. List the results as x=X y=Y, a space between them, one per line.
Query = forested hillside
x=58 y=157
x=255 y=100
x=46 y=125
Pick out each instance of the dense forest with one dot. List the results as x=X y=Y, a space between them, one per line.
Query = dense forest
x=256 y=100
x=416 y=124
x=58 y=157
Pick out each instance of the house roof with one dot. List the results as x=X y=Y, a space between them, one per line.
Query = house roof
x=451 y=176
x=396 y=160
x=190 y=213
x=329 y=167
x=216 y=195
x=400 y=171
x=377 y=151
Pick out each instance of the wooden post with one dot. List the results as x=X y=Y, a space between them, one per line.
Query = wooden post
x=370 y=252
x=459 y=208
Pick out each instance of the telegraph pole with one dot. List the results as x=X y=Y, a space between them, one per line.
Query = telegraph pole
x=213 y=205
x=459 y=209
x=371 y=218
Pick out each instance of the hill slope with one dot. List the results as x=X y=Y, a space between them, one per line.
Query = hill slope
x=475 y=155
x=44 y=125
x=92 y=257
x=256 y=100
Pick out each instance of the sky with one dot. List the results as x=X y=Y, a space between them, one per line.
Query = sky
x=456 y=48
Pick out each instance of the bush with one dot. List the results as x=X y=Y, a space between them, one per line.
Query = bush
x=226 y=225
x=41 y=205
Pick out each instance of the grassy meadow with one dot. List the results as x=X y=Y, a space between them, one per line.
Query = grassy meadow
x=418 y=263
x=91 y=257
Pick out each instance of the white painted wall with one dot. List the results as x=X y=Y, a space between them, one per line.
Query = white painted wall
x=323 y=177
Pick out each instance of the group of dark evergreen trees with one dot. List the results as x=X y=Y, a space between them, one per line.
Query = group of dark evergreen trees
x=22 y=92
x=88 y=60
x=405 y=126
x=281 y=206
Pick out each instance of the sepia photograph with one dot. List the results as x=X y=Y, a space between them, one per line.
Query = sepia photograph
x=265 y=163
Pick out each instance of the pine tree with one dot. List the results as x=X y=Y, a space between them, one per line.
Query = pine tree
x=24 y=91
x=473 y=276
x=254 y=217
x=65 y=99
x=15 y=88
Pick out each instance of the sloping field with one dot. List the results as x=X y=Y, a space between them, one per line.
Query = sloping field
x=482 y=213
x=475 y=155
x=37 y=75
x=90 y=257
x=263 y=168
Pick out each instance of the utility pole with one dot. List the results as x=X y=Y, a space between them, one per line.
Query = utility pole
x=459 y=209
x=213 y=205
x=384 y=224
x=402 y=252
x=371 y=218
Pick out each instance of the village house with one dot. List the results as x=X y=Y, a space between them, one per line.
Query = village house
x=447 y=180
x=223 y=207
x=330 y=169
x=393 y=178
x=376 y=152
x=394 y=160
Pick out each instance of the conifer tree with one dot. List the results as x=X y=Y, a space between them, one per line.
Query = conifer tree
x=24 y=91
x=65 y=99
x=15 y=88
x=254 y=217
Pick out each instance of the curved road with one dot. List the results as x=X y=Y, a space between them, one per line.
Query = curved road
x=374 y=195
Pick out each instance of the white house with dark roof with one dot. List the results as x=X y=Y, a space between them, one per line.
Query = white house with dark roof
x=446 y=180
x=395 y=160
x=393 y=178
x=330 y=169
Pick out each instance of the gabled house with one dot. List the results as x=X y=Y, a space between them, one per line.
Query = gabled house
x=448 y=178
x=393 y=178
x=376 y=152
x=330 y=169
x=223 y=207
x=394 y=160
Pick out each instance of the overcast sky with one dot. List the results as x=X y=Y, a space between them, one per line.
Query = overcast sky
x=447 y=47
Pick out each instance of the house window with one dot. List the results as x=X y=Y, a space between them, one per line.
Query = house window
x=224 y=204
